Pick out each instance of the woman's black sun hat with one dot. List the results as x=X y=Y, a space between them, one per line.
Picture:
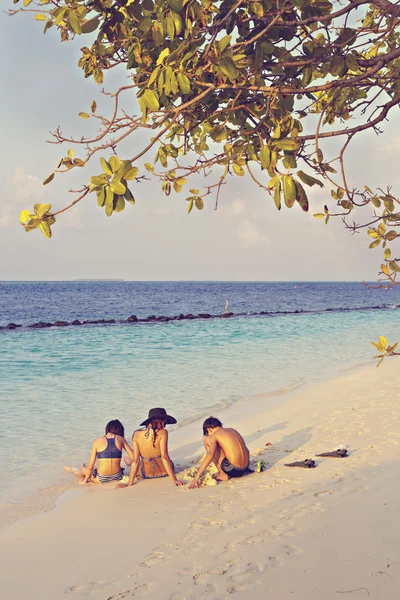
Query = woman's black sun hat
x=161 y=415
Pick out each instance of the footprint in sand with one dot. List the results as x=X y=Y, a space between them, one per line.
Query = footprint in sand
x=244 y=581
x=209 y=593
x=204 y=522
x=290 y=549
x=90 y=587
x=273 y=561
x=309 y=509
x=323 y=493
x=139 y=589
x=153 y=559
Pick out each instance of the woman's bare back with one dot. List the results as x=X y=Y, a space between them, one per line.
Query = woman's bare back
x=150 y=451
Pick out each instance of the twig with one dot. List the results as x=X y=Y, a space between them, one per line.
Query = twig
x=350 y=591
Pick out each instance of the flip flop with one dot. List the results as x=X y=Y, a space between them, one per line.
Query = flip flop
x=306 y=464
x=260 y=466
x=339 y=453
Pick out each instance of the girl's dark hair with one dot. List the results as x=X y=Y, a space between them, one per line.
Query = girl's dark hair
x=155 y=431
x=211 y=423
x=115 y=427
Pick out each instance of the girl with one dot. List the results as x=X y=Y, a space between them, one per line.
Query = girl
x=150 y=449
x=108 y=452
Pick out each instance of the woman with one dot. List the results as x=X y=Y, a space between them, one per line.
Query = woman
x=108 y=452
x=150 y=449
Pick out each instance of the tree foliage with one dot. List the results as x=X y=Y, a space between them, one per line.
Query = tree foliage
x=232 y=88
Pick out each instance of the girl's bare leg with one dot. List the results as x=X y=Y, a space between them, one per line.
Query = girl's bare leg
x=81 y=472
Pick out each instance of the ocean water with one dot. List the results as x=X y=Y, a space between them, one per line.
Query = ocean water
x=60 y=386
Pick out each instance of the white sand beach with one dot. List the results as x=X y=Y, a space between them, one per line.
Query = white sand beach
x=287 y=533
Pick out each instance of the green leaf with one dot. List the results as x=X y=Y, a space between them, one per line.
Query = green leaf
x=84 y=115
x=119 y=204
x=351 y=63
x=199 y=203
x=74 y=22
x=101 y=196
x=93 y=106
x=277 y=195
x=319 y=215
x=383 y=341
x=386 y=253
x=45 y=229
x=228 y=67
x=176 y=5
x=346 y=37
x=40 y=17
x=48 y=179
x=265 y=157
x=106 y=166
x=301 y=196
x=224 y=43
x=149 y=167
x=90 y=26
x=190 y=206
x=131 y=174
x=117 y=187
x=27 y=3
x=109 y=202
x=375 y=244
x=114 y=163
x=41 y=209
x=308 y=180
x=129 y=197
x=289 y=190
x=150 y=100
x=394 y=266
x=287 y=144
x=163 y=54
x=238 y=169
x=99 y=180
x=24 y=216
x=60 y=14
x=184 y=83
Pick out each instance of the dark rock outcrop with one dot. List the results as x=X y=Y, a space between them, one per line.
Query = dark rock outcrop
x=12 y=326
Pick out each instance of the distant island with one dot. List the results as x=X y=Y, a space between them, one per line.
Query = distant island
x=114 y=280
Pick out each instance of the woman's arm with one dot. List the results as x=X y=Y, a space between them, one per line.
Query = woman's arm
x=166 y=459
x=127 y=448
x=135 y=463
x=91 y=464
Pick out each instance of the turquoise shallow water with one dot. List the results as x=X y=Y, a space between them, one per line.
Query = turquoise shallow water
x=59 y=387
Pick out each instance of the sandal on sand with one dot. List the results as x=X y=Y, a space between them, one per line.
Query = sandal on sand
x=339 y=453
x=306 y=464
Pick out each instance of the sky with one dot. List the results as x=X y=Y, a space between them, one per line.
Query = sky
x=245 y=239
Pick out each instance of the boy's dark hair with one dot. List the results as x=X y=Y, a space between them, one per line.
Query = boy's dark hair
x=115 y=427
x=211 y=423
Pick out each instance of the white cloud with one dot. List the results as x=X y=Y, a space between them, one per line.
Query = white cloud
x=235 y=208
x=27 y=187
x=248 y=234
